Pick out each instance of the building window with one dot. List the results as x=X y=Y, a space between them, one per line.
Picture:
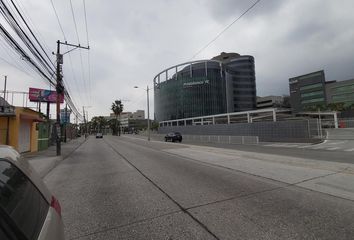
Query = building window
x=344 y=97
x=311 y=94
x=315 y=100
x=312 y=86
x=344 y=89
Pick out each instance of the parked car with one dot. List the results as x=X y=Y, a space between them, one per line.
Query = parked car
x=99 y=135
x=173 y=136
x=28 y=210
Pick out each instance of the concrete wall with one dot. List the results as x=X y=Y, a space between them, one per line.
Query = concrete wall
x=288 y=131
x=34 y=138
x=3 y=129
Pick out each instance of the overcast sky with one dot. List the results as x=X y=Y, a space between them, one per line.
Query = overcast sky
x=131 y=41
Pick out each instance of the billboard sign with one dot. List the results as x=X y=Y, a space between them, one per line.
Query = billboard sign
x=43 y=95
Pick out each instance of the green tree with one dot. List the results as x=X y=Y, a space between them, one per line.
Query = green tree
x=113 y=124
x=99 y=123
x=117 y=108
x=154 y=126
x=339 y=107
x=315 y=108
x=350 y=106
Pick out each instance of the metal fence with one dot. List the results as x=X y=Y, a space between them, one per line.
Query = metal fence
x=304 y=130
x=346 y=123
x=222 y=139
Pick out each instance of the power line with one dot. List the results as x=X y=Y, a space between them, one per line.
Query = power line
x=40 y=37
x=15 y=25
x=89 y=74
x=70 y=58
x=74 y=19
x=88 y=54
x=42 y=67
x=56 y=14
x=83 y=76
x=23 y=68
x=87 y=35
x=78 y=39
x=25 y=22
x=227 y=27
x=12 y=42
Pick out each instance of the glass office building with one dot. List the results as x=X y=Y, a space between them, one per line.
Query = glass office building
x=340 y=92
x=223 y=84
x=307 y=91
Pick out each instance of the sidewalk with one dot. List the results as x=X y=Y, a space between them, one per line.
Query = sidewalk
x=332 y=178
x=44 y=161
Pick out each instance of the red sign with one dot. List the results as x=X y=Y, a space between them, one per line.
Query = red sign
x=42 y=95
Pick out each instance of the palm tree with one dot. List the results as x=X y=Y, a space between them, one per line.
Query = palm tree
x=117 y=108
x=99 y=123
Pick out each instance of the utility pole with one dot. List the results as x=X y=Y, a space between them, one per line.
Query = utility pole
x=60 y=87
x=83 y=111
x=65 y=121
x=147 y=93
x=60 y=90
x=5 y=88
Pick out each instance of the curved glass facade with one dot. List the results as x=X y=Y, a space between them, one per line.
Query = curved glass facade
x=205 y=88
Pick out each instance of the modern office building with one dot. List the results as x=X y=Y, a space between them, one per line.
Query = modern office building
x=340 y=92
x=273 y=102
x=307 y=91
x=133 y=120
x=224 y=84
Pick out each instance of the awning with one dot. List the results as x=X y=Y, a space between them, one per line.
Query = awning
x=32 y=117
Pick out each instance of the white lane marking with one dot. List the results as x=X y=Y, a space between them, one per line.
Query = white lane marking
x=333 y=148
x=335 y=143
x=294 y=145
x=319 y=146
x=349 y=150
x=275 y=145
x=307 y=146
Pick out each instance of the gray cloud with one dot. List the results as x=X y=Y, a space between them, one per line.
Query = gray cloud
x=131 y=41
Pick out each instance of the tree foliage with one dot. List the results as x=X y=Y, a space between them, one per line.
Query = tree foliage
x=98 y=123
x=117 y=108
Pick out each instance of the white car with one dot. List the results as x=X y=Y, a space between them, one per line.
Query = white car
x=27 y=208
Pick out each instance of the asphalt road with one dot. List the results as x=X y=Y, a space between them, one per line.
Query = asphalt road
x=121 y=188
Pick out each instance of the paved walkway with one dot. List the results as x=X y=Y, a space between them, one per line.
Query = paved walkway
x=328 y=145
x=341 y=139
x=44 y=161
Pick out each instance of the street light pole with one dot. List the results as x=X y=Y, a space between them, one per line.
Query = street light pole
x=148 y=110
x=85 y=119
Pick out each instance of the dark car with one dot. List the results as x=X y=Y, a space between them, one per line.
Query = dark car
x=173 y=136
